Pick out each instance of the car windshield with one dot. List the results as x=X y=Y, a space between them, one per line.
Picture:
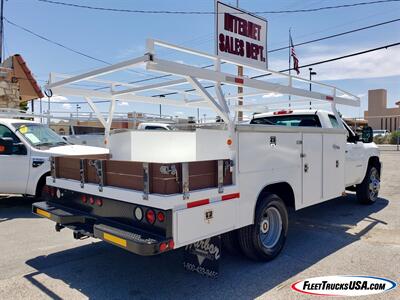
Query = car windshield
x=39 y=135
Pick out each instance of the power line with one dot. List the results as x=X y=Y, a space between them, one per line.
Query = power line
x=136 y=11
x=63 y=46
x=338 y=58
x=336 y=35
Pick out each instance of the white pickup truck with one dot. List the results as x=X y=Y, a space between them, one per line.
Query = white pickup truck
x=25 y=149
x=168 y=189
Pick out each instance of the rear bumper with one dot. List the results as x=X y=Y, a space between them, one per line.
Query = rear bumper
x=129 y=238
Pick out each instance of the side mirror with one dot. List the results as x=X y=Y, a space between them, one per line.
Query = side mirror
x=367 y=134
x=6 y=146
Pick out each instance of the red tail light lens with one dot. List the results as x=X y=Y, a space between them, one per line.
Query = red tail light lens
x=99 y=202
x=160 y=216
x=163 y=247
x=91 y=200
x=84 y=198
x=150 y=216
x=171 y=244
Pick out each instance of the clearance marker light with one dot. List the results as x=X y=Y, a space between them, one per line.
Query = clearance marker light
x=229 y=142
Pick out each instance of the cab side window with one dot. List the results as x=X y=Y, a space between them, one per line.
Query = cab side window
x=18 y=149
x=5 y=132
x=334 y=121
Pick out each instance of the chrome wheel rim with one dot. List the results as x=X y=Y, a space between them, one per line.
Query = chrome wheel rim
x=270 y=227
x=374 y=184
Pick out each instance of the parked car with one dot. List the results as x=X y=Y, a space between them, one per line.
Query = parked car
x=381 y=132
x=25 y=149
x=155 y=126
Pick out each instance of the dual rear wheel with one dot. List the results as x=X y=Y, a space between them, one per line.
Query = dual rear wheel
x=264 y=239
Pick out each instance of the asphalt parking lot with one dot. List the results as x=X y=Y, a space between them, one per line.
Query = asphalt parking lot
x=339 y=237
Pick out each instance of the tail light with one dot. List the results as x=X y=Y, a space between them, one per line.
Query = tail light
x=99 y=202
x=163 y=247
x=171 y=244
x=91 y=200
x=150 y=216
x=160 y=217
x=52 y=192
x=84 y=198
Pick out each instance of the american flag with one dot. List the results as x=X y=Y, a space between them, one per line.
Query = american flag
x=295 y=59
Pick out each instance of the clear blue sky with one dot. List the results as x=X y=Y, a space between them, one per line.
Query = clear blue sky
x=115 y=36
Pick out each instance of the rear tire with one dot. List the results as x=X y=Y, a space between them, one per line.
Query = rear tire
x=264 y=240
x=367 y=191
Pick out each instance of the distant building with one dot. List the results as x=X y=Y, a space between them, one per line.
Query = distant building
x=378 y=115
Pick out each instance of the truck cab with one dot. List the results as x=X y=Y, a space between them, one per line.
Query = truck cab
x=25 y=149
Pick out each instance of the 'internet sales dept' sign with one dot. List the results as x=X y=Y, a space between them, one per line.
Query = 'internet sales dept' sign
x=241 y=36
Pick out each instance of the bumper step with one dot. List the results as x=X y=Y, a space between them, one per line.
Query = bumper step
x=132 y=239
x=137 y=241
x=56 y=214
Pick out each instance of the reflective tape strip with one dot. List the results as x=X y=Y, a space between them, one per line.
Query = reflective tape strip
x=207 y=201
x=198 y=203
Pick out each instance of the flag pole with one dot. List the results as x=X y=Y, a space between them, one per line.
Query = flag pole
x=290 y=60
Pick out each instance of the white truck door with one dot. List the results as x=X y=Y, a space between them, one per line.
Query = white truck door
x=355 y=161
x=14 y=168
x=333 y=165
x=312 y=168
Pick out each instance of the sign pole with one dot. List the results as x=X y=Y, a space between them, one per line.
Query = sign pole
x=240 y=88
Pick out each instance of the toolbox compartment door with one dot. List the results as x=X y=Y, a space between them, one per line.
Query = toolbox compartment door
x=195 y=224
x=333 y=163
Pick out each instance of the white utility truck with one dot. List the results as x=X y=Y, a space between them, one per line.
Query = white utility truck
x=25 y=149
x=163 y=190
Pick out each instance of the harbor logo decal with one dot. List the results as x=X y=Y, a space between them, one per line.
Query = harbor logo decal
x=343 y=285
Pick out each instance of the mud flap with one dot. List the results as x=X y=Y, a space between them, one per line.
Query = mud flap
x=203 y=257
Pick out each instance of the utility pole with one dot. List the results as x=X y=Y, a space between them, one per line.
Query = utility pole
x=1 y=30
x=77 y=111
x=240 y=88
x=311 y=74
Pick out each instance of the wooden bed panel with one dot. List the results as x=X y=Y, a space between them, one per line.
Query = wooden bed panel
x=129 y=174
